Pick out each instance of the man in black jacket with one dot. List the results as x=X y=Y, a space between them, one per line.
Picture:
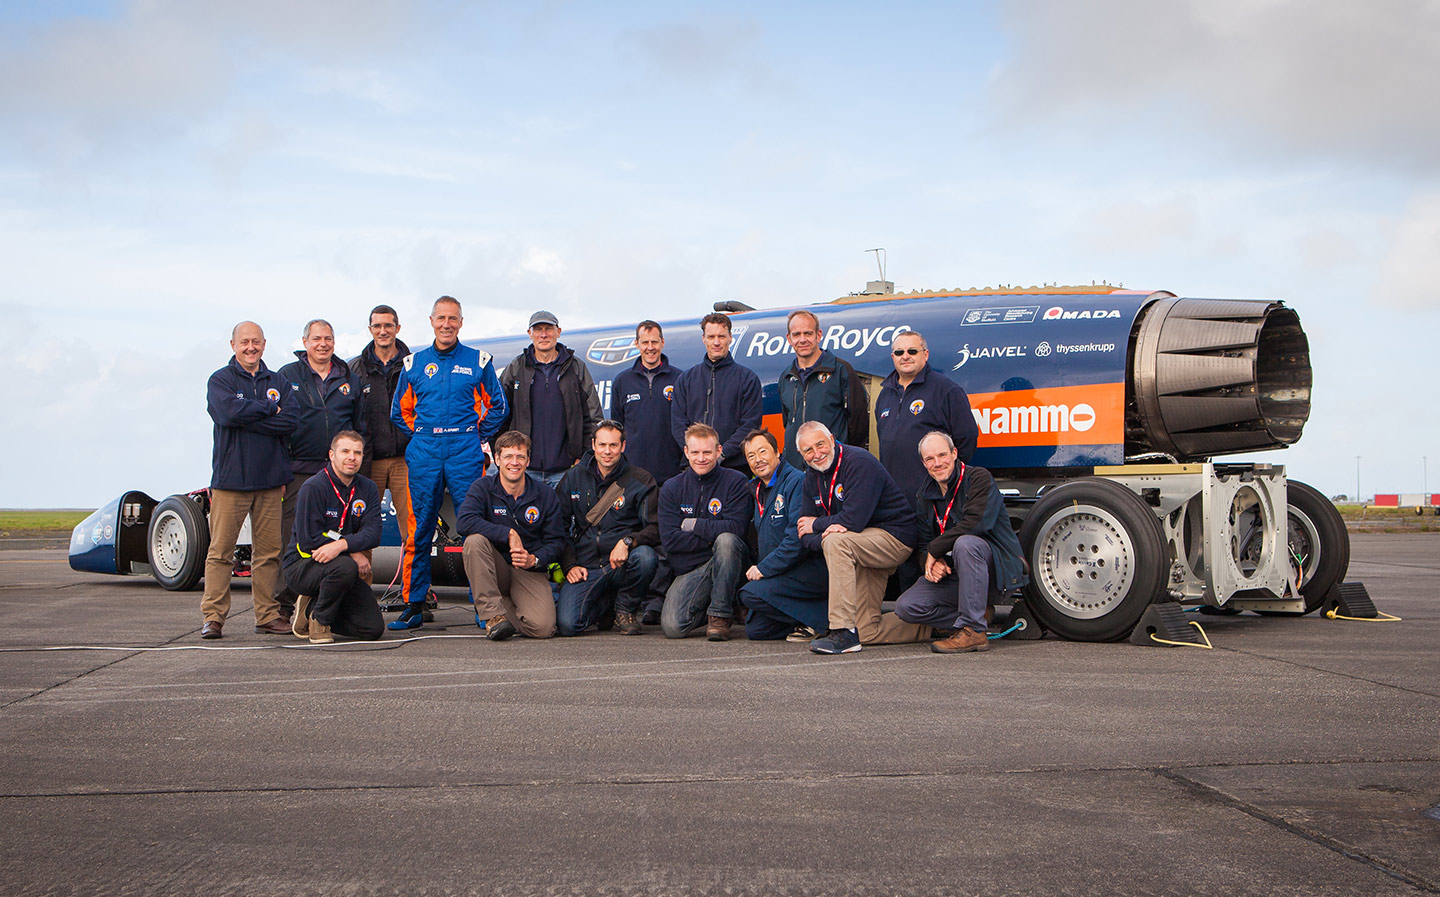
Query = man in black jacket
x=378 y=368
x=330 y=402
x=968 y=549
x=552 y=400
x=337 y=521
x=819 y=386
x=914 y=400
x=608 y=507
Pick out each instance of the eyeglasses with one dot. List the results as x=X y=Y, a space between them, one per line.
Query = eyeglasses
x=898 y=352
x=608 y=424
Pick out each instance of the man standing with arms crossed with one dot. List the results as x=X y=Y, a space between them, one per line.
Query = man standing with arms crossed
x=254 y=414
x=450 y=401
x=378 y=367
x=819 y=386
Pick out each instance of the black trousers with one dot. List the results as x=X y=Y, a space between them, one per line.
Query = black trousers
x=342 y=600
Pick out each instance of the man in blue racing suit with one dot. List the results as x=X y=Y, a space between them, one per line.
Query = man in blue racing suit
x=449 y=398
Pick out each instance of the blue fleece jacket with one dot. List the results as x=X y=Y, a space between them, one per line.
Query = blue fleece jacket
x=723 y=394
x=254 y=415
x=719 y=502
x=778 y=505
x=903 y=416
x=640 y=402
x=492 y=512
x=857 y=492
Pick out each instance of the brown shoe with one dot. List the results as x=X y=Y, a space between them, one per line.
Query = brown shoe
x=320 y=633
x=718 y=630
x=277 y=626
x=965 y=640
x=301 y=626
x=211 y=629
x=628 y=624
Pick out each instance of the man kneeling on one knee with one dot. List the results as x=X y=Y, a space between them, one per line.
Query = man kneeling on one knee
x=704 y=512
x=857 y=517
x=337 y=517
x=513 y=533
x=969 y=550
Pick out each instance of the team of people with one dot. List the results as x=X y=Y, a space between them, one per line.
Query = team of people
x=679 y=510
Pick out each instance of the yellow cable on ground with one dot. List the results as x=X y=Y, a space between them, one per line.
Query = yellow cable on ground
x=1207 y=646
x=1380 y=617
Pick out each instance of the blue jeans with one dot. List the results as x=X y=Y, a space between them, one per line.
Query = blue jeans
x=549 y=479
x=959 y=599
x=582 y=603
x=707 y=591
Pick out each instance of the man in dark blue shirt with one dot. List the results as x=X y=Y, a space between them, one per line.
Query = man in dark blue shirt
x=513 y=533
x=640 y=400
x=914 y=400
x=856 y=516
x=786 y=588
x=704 y=513
x=718 y=392
x=337 y=521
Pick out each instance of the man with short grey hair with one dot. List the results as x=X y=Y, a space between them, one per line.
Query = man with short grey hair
x=330 y=402
x=552 y=400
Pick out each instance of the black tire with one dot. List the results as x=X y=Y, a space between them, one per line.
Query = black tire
x=176 y=543
x=1317 y=539
x=1097 y=560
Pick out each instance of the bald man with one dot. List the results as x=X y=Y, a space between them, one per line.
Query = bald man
x=254 y=413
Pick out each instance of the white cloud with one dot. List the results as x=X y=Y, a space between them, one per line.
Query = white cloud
x=1316 y=79
x=1409 y=275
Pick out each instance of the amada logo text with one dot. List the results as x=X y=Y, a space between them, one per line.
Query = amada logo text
x=1057 y=313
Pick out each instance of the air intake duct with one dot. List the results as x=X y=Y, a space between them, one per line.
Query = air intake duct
x=1217 y=376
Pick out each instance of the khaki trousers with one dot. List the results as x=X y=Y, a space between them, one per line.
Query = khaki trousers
x=859 y=565
x=228 y=510
x=523 y=596
x=391 y=473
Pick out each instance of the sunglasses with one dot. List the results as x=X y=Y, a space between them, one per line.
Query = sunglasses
x=898 y=352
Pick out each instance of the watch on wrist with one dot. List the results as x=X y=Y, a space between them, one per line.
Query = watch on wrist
x=629 y=541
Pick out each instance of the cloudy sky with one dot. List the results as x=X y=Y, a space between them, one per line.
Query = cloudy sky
x=169 y=167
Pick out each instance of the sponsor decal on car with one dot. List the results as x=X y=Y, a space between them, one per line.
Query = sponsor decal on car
x=1061 y=415
x=980 y=352
x=1014 y=314
x=1058 y=313
x=613 y=350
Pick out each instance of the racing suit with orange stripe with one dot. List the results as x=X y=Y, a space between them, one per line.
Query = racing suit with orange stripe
x=451 y=402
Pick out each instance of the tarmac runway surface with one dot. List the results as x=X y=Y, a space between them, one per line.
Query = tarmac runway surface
x=1301 y=756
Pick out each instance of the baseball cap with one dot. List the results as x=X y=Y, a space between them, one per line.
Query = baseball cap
x=543 y=317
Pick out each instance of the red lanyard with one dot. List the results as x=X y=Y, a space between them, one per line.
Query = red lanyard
x=345 y=502
x=958 y=484
x=839 y=456
x=759 y=505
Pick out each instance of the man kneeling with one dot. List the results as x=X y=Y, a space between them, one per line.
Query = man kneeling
x=513 y=533
x=337 y=516
x=962 y=519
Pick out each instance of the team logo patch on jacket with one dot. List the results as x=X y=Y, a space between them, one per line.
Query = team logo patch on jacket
x=532 y=514
x=431 y=369
x=358 y=507
x=839 y=491
x=272 y=394
x=917 y=406
x=715 y=506
x=619 y=503
x=670 y=393
x=779 y=503
x=344 y=389
x=823 y=378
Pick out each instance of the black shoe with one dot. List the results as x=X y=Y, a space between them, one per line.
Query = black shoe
x=651 y=618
